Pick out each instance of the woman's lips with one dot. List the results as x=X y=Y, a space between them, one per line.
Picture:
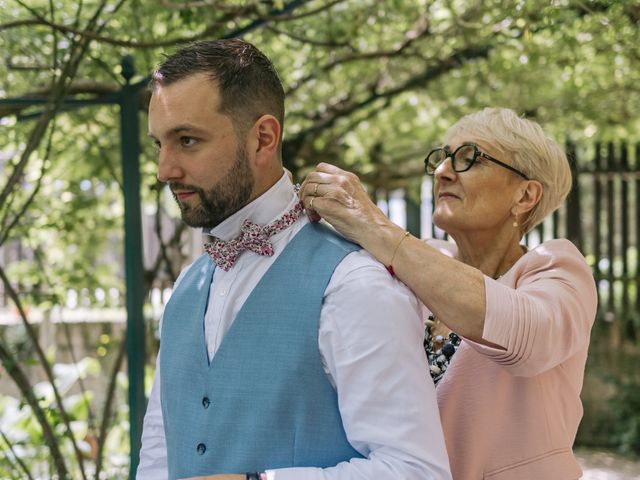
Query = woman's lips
x=447 y=195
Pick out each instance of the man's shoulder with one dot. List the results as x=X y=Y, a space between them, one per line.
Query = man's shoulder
x=356 y=261
x=361 y=282
x=360 y=269
x=326 y=234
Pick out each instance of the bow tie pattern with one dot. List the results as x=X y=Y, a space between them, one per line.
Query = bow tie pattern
x=252 y=237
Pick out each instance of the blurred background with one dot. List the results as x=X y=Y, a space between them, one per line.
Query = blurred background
x=91 y=243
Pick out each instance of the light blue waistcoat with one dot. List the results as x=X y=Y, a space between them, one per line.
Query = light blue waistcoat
x=264 y=401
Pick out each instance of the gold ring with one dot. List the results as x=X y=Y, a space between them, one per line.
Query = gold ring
x=315 y=190
x=311 y=203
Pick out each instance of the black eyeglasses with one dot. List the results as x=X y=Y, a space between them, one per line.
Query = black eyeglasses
x=462 y=159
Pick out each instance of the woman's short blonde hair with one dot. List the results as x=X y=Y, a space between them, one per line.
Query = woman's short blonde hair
x=530 y=151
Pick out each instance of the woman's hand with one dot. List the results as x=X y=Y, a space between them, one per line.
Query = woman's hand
x=338 y=197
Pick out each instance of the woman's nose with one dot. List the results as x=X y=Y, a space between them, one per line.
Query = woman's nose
x=445 y=170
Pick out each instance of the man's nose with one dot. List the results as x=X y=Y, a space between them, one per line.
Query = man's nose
x=168 y=166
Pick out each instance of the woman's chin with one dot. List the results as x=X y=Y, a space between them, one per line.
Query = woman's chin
x=443 y=220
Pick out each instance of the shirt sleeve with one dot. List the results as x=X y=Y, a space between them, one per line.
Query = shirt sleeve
x=371 y=342
x=546 y=317
x=153 y=453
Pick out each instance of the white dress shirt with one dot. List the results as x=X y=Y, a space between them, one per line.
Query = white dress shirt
x=370 y=341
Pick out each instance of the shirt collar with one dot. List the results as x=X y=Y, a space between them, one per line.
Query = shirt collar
x=263 y=210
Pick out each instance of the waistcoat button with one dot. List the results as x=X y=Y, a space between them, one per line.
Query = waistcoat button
x=201 y=448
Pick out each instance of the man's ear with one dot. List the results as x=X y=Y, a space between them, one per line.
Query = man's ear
x=266 y=139
x=528 y=197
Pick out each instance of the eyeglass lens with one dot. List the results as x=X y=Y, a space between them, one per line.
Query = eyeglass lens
x=462 y=158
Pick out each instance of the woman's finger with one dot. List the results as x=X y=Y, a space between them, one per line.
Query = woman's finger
x=349 y=182
x=319 y=177
x=332 y=191
x=329 y=168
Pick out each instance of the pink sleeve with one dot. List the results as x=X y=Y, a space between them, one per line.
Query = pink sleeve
x=547 y=317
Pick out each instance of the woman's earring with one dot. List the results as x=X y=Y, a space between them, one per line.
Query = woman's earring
x=515 y=221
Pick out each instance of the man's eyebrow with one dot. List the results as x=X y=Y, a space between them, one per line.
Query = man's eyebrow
x=186 y=128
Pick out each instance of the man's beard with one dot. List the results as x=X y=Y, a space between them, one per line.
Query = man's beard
x=228 y=196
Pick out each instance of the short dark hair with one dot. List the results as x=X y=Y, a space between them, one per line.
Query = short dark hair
x=248 y=82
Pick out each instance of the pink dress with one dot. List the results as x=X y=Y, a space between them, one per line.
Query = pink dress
x=513 y=414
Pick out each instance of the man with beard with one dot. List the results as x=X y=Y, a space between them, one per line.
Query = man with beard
x=278 y=359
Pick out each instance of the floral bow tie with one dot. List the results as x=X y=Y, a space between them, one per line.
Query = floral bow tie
x=252 y=237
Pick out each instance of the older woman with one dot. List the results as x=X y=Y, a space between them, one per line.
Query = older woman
x=515 y=323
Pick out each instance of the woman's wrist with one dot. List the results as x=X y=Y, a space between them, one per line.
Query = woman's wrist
x=395 y=251
x=386 y=241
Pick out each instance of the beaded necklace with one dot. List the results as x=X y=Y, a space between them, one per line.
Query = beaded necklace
x=439 y=349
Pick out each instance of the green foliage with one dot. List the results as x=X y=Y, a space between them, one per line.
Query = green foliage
x=367 y=76
x=625 y=408
x=22 y=430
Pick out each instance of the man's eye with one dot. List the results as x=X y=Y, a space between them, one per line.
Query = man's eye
x=187 y=141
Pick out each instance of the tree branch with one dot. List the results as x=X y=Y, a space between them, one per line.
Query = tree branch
x=20 y=378
x=24 y=468
x=108 y=406
x=420 y=30
x=309 y=41
x=202 y=4
x=286 y=17
x=29 y=201
x=87 y=34
x=347 y=107
x=56 y=96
